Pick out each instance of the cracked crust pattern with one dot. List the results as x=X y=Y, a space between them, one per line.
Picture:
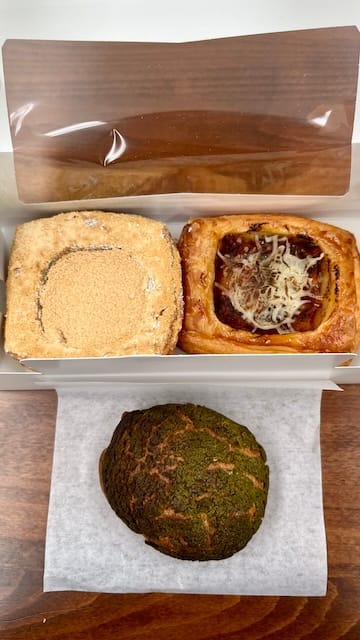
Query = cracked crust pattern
x=192 y=481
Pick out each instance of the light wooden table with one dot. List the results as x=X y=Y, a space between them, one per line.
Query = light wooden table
x=27 y=421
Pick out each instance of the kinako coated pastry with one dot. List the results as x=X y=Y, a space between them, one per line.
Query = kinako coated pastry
x=92 y=283
x=266 y=283
x=193 y=482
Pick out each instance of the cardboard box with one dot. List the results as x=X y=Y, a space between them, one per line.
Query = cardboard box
x=175 y=210
x=297 y=369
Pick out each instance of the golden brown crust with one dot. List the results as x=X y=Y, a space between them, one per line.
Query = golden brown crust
x=87 y=284
x=202 y=331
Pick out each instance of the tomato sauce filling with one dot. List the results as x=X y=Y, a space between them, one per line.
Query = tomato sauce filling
x=248 y=269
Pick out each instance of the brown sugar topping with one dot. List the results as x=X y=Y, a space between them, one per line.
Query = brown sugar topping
x=85 y=294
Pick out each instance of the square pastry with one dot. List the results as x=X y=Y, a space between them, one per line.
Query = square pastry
x=268 y=283
x=92 y=284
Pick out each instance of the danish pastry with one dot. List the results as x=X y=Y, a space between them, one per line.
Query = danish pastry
x=269 y=283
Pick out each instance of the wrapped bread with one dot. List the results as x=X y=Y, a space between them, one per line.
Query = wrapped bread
x=269 y=284
x=86 y=284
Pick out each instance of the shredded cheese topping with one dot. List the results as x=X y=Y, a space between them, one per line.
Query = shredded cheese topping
x=269 y=288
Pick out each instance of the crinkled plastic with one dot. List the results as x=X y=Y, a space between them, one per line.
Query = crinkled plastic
x=263 y=114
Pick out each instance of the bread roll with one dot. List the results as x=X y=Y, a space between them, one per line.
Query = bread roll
x=269 y=284
x=191 y=480
x=87 y=284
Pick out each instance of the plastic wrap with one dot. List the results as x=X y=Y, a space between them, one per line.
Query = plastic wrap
x=264 y=114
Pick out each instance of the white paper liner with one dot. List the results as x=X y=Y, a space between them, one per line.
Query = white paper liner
x=88 y=548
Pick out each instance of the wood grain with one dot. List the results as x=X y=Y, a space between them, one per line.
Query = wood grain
x=27 y=421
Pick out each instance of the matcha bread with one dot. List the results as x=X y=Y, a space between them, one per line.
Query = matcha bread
x=193 y=482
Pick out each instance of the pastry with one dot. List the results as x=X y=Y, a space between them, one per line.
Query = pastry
x=266 y=283
x=193 y=482
x=87 y=284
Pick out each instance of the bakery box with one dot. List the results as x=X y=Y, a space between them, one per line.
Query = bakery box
x=337 y=203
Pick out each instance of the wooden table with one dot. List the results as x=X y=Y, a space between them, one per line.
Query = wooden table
x=27 y=421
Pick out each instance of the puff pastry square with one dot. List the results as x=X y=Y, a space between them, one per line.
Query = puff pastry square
x=271 y=283
x=92 y=284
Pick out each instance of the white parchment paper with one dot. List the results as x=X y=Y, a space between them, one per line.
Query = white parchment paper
x=88 y=548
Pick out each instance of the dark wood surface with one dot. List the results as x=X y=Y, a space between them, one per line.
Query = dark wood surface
x=27 y=421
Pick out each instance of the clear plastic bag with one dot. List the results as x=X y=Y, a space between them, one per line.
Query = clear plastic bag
x=264 y=114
